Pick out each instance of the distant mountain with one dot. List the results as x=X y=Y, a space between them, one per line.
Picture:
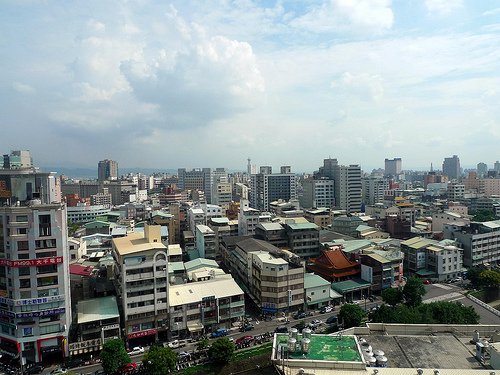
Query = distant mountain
x=91 y=173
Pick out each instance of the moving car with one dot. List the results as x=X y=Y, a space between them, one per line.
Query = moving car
x=175 y=344
x=281 y=329
x=219 y=333
x=333 y=319
x=299 y=315
x=244 y=339
x=136 y=350
x=246 y=327
x=129 y=367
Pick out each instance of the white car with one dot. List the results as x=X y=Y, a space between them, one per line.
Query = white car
x=136 y=350
x=176 y=344
x=59 y=371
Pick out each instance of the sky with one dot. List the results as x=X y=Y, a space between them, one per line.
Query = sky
x=160 y=84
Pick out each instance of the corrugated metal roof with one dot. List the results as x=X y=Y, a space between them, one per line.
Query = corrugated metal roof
x=97 y=309
x=195 y=292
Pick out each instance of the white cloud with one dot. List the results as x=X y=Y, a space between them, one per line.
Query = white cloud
x=23 y=88
x=443 y=7
x=364 y=86
x=347 y=16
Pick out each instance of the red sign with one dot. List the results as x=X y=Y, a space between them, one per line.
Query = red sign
x=31 y=262
x=147 y=332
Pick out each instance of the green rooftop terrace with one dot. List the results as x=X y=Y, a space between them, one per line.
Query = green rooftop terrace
x=326 y=348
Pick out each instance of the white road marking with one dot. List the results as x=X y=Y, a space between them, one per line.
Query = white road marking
x=446 y=297
x=443 y=286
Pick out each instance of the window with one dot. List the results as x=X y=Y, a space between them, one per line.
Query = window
x=48 y=280
x=22 y=230
x=24 y=283
x=22 y=245
x=44 y=226
x=24 y=271
x=22 y=218
x=49 y=329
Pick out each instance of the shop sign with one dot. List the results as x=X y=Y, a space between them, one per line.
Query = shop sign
x=147 y=332
x=31 y=262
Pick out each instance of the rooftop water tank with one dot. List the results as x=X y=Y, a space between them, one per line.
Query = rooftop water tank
x=306 y=333
x=292 y=345
x=381 y=361
x=372 y=361
x=293 y=333
x=306 y=345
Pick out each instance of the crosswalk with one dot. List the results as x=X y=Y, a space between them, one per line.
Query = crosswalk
x=454 y=296
x=446 y=287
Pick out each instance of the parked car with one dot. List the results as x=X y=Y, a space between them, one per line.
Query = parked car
x=244 y=339
x=35 y=369
x=136 y=350
x=219 y=333
x=326 y=309
x=333 y=319
x=281 y=329
x=247 y=327
x=427 y=282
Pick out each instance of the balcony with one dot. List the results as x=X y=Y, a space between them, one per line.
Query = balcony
x=139 y=276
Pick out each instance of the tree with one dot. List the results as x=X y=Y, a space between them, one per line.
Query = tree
x=114 y=355
x=221 y=350
x=351 y=315
x=483 y=215
x=159 y=359
x=202 y=344
x=473 y=275
x=392 y=296
x=489 y=278
x=413 y=291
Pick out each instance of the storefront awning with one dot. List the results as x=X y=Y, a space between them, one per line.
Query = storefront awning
x=194 y=326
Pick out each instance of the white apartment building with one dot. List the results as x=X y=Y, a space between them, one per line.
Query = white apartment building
x=249 y=217
x=84 y=213
x=206 y=243
x=318 y=193
x=205 y=306
x=479 y=241
x=222 y=193
x=141 y=277
x=374 y=189
x=35 y=302
x=348 y=189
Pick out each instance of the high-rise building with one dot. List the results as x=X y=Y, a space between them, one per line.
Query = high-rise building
x=318 y=193
x=496 y=167
x=451 y=167
x=200 y=179
x=35 y=303
x=393 y=167
x=374 y=189
x=348 y=186
x=107 y=170
x=267 y=187
x=482 y=170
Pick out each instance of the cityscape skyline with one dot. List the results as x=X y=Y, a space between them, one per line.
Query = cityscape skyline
x=142 y=82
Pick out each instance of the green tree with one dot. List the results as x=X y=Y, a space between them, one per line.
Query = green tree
x=392 y=296
x=489 y=278
x=483 y=215
x=351 y=315
x=114 y=355
x=413 y=291
x=159 y=359
x=473 y=275
x=221 y=350
x=202 y=344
